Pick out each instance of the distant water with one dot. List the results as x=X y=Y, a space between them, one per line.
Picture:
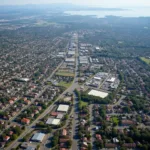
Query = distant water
x=131 y=12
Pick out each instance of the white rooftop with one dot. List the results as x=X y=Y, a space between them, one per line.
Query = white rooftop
x=71 y=52
x=70 y=60
x=63 y=108
x=60 y=116
x=56 y=122
x=111 y=79
x=98 y=93
x=53 y=121
x=38 y=137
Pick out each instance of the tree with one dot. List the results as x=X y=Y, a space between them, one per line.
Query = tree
x=129 y=140
x=38 y=147
x=69 y=143
x=17 y=130
x=49 y=129
x=89 y=147
x=14 y=137
x=126 y=109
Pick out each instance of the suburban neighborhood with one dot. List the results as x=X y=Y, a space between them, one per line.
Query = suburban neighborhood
x=74 y=83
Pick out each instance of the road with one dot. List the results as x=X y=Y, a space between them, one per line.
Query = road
x=74 y=110
x=30 y=128
x=92 y=126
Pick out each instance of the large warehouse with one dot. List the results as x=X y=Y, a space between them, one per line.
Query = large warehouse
x=98 y=93
x=70 y=60
x=63 y=108
x=38 y=137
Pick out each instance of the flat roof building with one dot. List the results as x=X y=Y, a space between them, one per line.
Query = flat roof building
x=98 y=93
x=71 y=52
x=38 y=137
x=63 y=108
x=111 y=80
x=83 y=60
x=60 y=116
x=53 y=121
x=70 y=60
x=22 y=79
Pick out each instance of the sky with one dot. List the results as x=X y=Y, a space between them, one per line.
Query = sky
x=99 y=3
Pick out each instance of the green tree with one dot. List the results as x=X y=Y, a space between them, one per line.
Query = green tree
x=14 y=137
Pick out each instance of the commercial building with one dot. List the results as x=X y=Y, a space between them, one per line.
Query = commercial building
x=111 y=79
x=83 y=60
x=97 y=48
x=60 y=116
x=22 y=79
x=70 y=60
x=38 y=137
x=98 y=78
x=53 y=121
x=63 y=108
x=71 y=53
x=61 y=54
x=98 y=93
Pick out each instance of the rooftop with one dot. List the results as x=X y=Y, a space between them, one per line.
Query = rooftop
x=38 y=137
x=63 y=108
x=53 y=121
x=98 y=93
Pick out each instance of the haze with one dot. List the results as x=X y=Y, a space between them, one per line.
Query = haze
x=99 y=3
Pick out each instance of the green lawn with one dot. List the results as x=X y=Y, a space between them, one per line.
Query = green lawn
x=83 y=103
x=146 y=60
x=66 y=74
x=115 y=120
x=65 y=84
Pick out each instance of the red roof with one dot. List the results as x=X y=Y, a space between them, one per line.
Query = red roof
x=129 y=145
x=11 y=132
x=62 y=140
x=54 y=114
x=11 y=101
x=25 y=120
x=6 y=138
x=64 y=132
x=127 y=122
x=110 y=145
x=98 y=136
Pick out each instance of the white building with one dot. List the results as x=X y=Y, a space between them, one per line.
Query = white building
x=98 y=93
x=53 y=121
x=63 y=108
x=111 y=80
x=70 y=60
x=38 y=137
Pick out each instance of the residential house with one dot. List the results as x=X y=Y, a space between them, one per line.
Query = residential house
x=64 y=132
x=6 y=138
x=98 y=137
x=110 y=145
x=129 y=145
x=25 y=121
x=127 y=122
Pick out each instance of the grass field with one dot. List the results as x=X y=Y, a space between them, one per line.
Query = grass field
x=146 y=60
x=65 y=84
x=115 y=120
x=83 y=104
x=65 y=74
